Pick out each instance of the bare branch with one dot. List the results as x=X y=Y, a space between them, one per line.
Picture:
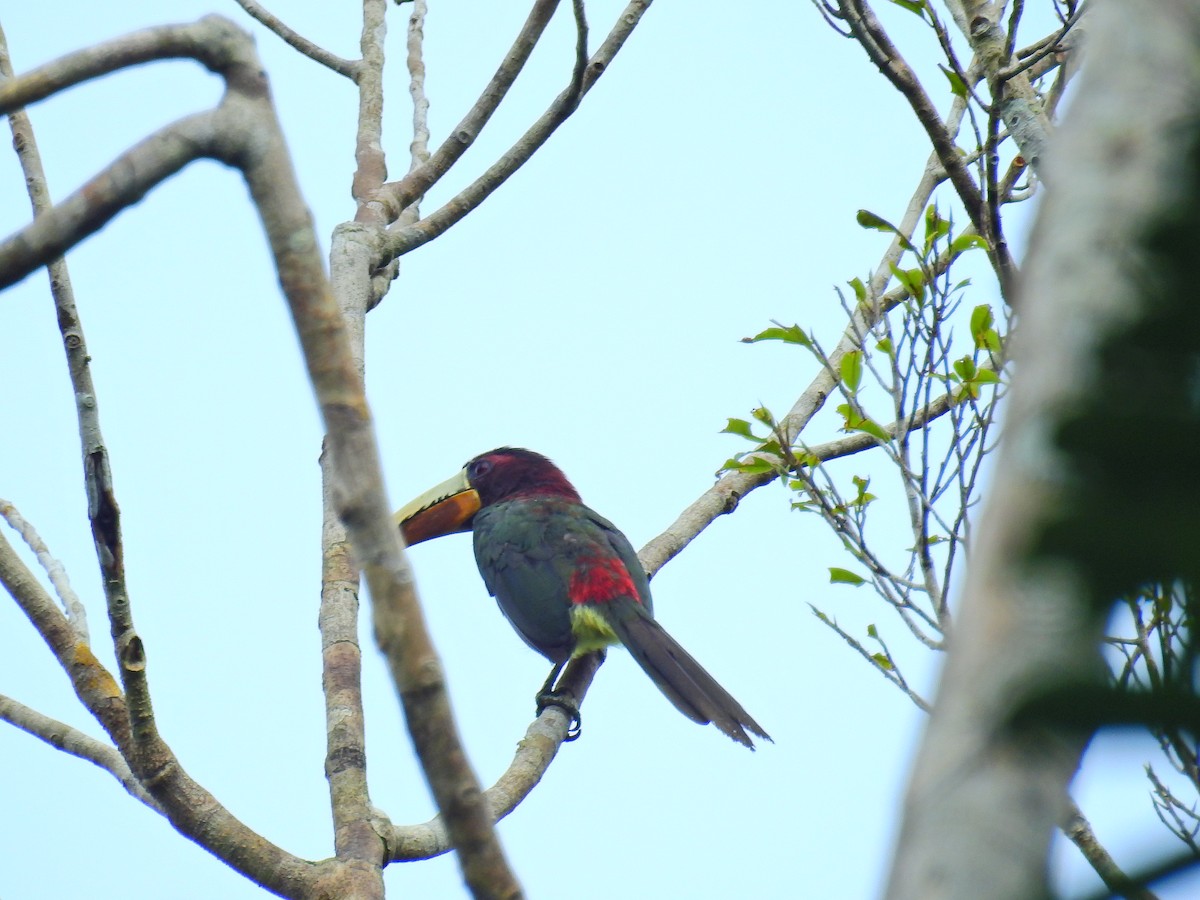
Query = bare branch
x=396 y=196
x=210 y=41
x=581 y=50
x=72 y=605
x=870 y=34
x=534 y=754
x=370 y=170
x=419 y=148
x=224 y=134
x=402 y=240
x=119 y=186
x=62 y=736
x=1046 y=47
x=346 y=67
x=93 y=684
x=354 y=819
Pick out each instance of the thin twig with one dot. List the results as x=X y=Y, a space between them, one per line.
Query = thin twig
x=879 y=47
x=72 y=605
x=581 y=52
x=346 y=67
x=395 y=197
x=1047 y=46
x=62 y=736
x=402 y=240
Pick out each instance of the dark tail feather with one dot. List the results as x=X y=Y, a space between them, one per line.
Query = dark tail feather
x=694 y=692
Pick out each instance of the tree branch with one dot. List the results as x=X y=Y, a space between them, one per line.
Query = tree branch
x=93 y=684
x=348 y=68
x=419 y=149
x=370 y=169
x=400 y=241
x=861 y=19
x=62 y=736
x=72 y=605
x=397 y=196
x=724 y=496
x=245 y=110
x=534 y=754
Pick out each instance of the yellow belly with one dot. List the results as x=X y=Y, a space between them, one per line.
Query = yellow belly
x=590 y=630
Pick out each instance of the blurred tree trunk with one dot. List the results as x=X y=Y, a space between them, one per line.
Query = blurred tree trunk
x=1105 y=354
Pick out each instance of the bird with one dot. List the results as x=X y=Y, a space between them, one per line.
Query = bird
x=567 y=580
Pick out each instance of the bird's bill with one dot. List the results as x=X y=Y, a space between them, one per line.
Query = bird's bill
x=445 y=509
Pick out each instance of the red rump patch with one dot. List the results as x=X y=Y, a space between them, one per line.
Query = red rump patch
x=601 y=579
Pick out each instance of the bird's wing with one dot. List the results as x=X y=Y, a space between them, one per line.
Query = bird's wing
x=526 y=573
x=627 y=555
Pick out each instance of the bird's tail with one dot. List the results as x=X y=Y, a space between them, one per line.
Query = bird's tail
x=684 y=681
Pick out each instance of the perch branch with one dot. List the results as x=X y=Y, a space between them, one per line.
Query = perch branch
x=534 y=754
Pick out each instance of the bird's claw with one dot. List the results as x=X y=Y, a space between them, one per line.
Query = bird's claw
x=568 y=705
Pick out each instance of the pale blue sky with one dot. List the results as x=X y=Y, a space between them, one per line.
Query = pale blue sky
x=591 y=310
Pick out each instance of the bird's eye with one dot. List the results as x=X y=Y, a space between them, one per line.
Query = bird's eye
x=479 y=468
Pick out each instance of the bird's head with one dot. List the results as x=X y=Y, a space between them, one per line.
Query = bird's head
x=507 y=473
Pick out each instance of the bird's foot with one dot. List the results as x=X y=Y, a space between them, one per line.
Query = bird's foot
x=568 y=705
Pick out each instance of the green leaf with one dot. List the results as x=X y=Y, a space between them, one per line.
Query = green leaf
x=935 y=227
x=856 y=421
x=985 y=335
x=868 y=219
x=917 y=7
x=740 y=427
x=986 y=376
x=965 y=242
x=881 y=659
x=792 y=334
x=844 y=576
x=913 y=281
x=860 y=289
x=885 y=345
x=733 y=464
x=863 y=497
x=872 y=632
x=982 y=318
x=772 y=447
x=851 y=370
x=808 y=459
x=958 y=87
x=752 y=466
x=965 y=368
x=757 y=466
x=873 y=428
